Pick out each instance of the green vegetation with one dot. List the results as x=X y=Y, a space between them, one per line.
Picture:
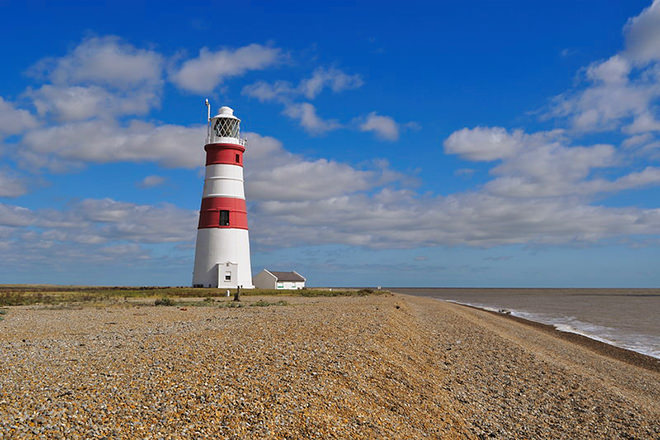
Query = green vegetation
x=262 y=303
x=231 y=305
x=22 y=295
x=165 y=301
x=2 y=312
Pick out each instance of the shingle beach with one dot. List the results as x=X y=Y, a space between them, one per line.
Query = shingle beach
x=387 y=366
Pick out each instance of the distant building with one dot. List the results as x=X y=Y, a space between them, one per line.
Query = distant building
x=269 y=279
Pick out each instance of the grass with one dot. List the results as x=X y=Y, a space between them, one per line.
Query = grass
x=262 y=303
x=165 y=301
x=231 y=305
x=22 y=295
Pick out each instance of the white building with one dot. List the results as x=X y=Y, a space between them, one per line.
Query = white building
x=269 y=279
x=222 y=253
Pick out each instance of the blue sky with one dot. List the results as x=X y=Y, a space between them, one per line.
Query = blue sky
x=432 y=144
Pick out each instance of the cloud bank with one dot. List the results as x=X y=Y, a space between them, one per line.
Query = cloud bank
x=542 y=187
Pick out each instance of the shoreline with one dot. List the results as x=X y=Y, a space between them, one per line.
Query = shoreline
x=610 y=350
x=593 y=342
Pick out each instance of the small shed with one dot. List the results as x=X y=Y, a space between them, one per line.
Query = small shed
x=270 y=279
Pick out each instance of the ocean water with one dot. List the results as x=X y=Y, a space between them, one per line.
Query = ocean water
x=627 y=318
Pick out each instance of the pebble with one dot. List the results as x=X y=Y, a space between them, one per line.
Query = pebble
x=387 y=366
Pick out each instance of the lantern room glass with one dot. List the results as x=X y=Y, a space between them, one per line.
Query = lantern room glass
x=226 y=127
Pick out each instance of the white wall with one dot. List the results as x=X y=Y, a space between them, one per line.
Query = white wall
x=224 y=181
x=220 y=246
x=264 y=280
x=290 y=285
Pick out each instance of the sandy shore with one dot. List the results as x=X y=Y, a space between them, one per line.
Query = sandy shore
x=390 y=366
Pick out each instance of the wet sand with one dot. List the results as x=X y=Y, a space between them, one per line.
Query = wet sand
x=391 y=366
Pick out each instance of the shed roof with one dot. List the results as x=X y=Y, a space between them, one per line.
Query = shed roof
x=287 y=276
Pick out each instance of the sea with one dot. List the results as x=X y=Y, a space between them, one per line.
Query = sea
x=626 y=318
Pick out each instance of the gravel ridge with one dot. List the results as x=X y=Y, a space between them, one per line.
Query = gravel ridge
x=518 y=381
x=388 y=366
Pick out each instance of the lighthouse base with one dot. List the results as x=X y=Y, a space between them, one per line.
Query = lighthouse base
x=222 y=259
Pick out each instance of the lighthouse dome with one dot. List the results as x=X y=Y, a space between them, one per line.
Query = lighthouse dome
x=226 y=112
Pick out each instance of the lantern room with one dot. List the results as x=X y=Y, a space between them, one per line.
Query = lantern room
x=224 y=127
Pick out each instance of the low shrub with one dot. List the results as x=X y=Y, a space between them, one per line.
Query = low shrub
x=262 y=303
x=230 y=305
x=165 y=301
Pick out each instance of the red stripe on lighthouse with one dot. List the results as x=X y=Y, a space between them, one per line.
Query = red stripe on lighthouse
x=230 y=154
x=209 y=214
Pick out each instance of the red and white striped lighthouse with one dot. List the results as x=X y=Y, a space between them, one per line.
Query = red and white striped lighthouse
x=222 y=253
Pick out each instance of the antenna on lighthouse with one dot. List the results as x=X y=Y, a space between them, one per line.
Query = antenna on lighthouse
x=208 y=120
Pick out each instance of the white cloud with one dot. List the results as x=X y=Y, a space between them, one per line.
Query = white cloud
x=383 y=126
x=609 y=102
x=549 y=170
x=13 y=120
x=613 y=71
x=74 y=103
x=307 y=180
x=543 y=165
x=284 y=92
x=105 y=61
x=647 y=177
x=114 y=220
x=539 y=195
x=95 y=221
x=204 y=73
x=264 y=92
x=297 y=201
x=484 y=143
x=92 y=230
x=15 y=215
x=644 y=122
x=265 y=149
x=643 y=35
x=392 y=219
x=11 y=185
x=151 y=181
x=622 y=91
x=636 y=140
x=104 y=141
x=102 y=77
x=306 y=115
x=272 y=173
x=333 y=78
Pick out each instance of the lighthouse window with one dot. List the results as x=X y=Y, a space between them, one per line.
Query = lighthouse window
x=227 y=276
x=238 y=158
x=224 y=218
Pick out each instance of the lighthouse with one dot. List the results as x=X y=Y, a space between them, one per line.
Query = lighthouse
x=222 y=252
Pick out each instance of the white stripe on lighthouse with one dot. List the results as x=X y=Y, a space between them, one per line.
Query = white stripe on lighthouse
x=224 y=181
